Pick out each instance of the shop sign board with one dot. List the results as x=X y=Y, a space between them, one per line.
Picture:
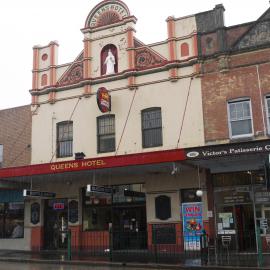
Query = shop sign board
x=94 y=163
x=233 y=197
x=38 y=194
x=99 y=189
x=192 y=224
x=132 y=193
x=262 y=196
x=228 y=150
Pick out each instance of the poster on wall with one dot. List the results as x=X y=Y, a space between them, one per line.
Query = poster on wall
x=192 y=225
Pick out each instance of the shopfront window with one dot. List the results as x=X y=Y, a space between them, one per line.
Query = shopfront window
x=98 y=207
x=12 y=220
x=239 y=178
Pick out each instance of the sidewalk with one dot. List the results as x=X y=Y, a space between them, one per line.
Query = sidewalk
x=50 y=257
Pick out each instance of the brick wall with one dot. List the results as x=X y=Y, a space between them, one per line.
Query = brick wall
x=15 y=136
x=239 y=81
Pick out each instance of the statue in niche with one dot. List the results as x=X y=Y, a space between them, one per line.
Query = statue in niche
x=109 y=62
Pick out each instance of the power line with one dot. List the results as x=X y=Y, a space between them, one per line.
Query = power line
x=131 y=104
x=72 y=113
x=182 y=123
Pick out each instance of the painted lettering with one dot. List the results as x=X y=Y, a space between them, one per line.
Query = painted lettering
x=93 y=163
x=63 y=166
x=267 y=147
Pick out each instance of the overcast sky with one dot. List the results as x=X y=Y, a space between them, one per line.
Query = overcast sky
x=27 y=23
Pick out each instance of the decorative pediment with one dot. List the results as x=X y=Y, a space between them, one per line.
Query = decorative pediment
x=73 y=75
x=106 y=13
x=257 y=35
x=138 y=43
x=147 y=58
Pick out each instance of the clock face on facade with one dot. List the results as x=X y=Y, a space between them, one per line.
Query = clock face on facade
x=109 y=13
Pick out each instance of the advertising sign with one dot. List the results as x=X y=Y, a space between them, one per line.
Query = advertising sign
x=232 y=149
x=103 y=100
x=58 y=206
x=192 y=225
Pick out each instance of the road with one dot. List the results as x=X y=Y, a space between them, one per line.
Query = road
x=36 y=266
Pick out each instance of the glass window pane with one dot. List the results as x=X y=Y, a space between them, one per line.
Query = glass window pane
x=232 y=111
x=64 y=139
x=14 y=220
x=152 y=127
x=241 y=127
x=268 y=105
x=240 y=118
x=106 y=134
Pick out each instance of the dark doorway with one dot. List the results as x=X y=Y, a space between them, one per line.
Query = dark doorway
x=129 y=227
x=238 y=222
x=245 y=227
x=55 y=224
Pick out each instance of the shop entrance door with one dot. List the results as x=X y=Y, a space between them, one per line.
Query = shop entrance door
x=55 y=224
x=129 y=227
x=237 y=221
x=245 y=225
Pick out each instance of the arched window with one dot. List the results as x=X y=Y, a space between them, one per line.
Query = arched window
x=184 y=49
x=44 y=80
x=103 y=56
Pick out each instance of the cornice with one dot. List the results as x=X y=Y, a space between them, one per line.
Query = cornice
x=120 y=76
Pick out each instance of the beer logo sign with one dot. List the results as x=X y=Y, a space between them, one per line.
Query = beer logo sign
x=103 y=100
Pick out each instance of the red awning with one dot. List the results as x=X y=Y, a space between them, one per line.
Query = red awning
x=95 y=163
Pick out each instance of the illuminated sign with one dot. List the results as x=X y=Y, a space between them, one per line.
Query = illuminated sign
x=103 y=100
x=58 y=206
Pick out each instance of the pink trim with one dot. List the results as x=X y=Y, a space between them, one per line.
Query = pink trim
x=195 y=45
x=35 y=68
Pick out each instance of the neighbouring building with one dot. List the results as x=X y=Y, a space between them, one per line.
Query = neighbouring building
x=15 y=150
x=125 y=136
x=235 y=70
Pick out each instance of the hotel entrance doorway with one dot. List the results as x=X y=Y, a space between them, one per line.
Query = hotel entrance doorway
x=129 y=227
x=55 y=224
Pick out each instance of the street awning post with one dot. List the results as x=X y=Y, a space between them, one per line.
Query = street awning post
x=69 y=244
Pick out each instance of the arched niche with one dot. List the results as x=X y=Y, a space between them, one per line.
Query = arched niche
x=184 y=49
x=104 y=54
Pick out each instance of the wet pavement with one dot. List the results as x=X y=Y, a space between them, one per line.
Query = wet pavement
x=35 y=266
x=11 y=260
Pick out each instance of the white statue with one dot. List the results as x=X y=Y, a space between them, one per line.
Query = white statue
x=110 y=62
